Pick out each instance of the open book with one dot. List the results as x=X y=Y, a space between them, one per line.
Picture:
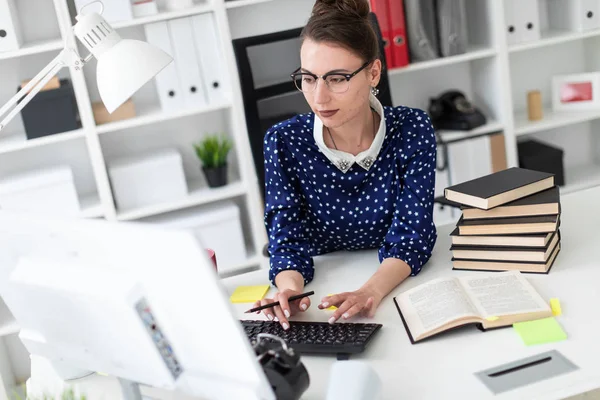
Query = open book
x=491 y=300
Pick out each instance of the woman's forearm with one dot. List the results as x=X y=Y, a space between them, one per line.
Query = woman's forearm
x=289 y=280
x=390 y=274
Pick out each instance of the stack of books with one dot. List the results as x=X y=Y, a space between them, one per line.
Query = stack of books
x=510 y=221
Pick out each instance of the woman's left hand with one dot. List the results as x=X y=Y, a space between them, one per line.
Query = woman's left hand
x=363 y=301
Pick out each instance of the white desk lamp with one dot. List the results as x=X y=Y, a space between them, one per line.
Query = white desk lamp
x=124 y=65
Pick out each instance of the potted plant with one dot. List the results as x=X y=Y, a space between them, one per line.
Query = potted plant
x=212 y=152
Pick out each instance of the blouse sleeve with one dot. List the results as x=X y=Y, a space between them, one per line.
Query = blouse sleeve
x=412 y=234
x=284 y=212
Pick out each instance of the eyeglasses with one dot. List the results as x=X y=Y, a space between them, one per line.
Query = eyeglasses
x=336 y=82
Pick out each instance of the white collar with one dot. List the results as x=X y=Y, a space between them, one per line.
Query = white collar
x=342 y=160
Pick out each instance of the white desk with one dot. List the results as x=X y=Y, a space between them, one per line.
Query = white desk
x=444 y=366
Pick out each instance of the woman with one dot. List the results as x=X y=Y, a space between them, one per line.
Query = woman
x=350 y=175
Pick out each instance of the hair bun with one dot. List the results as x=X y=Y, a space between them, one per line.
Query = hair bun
x=351 y=8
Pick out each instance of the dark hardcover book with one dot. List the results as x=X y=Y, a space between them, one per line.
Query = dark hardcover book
x=514 y=240
x=553 y=237
x=499 y=188
x=505 y=226
x=546 y=202
x=525 y=254
x=501 y=266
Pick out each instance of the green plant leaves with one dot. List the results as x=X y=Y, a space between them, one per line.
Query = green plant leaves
x=213 y=150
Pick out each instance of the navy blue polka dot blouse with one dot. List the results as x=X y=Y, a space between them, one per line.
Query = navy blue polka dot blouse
x=319 y=200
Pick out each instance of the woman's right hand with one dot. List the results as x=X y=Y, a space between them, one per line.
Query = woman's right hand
x=286 y=309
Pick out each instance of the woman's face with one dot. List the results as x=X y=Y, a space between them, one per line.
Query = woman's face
x=336 y=109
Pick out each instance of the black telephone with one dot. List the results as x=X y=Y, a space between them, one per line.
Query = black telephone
x=453 y=111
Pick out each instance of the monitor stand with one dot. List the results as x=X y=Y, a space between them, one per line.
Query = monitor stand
x=130 y=390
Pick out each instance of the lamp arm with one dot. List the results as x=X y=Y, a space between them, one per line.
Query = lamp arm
x=67 y=57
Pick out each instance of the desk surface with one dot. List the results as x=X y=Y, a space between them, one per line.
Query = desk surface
x=446 y=364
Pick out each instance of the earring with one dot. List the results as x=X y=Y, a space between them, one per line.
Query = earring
x=375 y=91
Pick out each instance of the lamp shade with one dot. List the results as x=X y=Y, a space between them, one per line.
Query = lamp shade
x=125 y=68
x=124 y=65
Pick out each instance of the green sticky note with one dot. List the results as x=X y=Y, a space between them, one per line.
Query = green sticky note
x=249 y=294
x=545 y=330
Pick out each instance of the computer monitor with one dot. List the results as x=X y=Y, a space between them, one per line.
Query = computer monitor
x=132 y=300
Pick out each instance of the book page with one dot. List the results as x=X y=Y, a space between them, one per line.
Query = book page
x=503 y=293
x=433 y=304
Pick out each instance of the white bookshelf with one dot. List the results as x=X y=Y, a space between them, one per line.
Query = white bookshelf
x=244 y=3
x=198 y=195
x=18 y=140
x=32 y=48
x=90 y=149
x=553 y=37
x=453 y=135
x=473 y=53
x=147 y=114
x=552 y=120
x=165 y=15
x=494 y=75
x=581 y=177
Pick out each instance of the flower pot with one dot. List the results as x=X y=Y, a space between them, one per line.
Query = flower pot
x=216 y=177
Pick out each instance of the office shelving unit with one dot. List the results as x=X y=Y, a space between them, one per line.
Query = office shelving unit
x=89 y=149
x=494 y=75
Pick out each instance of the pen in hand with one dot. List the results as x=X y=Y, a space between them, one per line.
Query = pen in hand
x=292 y=298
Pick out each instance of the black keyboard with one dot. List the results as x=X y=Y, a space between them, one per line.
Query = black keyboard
x=343 y=338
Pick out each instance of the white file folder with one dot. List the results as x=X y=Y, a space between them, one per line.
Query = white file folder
x=574 y=15
x=168 y=86
x=510 y=18
x=210 y=55
x=186 y=62
x=528 y=19
x=10 y=27
x=522 y=21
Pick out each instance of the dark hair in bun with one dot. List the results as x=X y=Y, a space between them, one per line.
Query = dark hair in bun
x=345 y=23
x=352 y=8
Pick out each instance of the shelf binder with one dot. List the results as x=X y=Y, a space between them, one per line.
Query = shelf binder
x=422 y=33
x=574 y=15
x=10 y=28
x=452 y=27
x=522 y=21
x=186 y=62
x=399 y=44
x=381 y=10
x=210 y=56
x=167 y=81
x=528 y=19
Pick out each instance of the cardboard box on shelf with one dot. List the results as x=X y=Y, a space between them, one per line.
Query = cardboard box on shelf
x=102 y=116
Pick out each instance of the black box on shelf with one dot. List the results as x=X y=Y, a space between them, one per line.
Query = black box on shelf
x=542 y=157
x=51 y=111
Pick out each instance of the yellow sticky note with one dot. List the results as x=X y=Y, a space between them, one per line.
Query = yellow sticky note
x=492 y=318
x=249 y=294
x=545 y=330
x=331 y=307
x=555 y=305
